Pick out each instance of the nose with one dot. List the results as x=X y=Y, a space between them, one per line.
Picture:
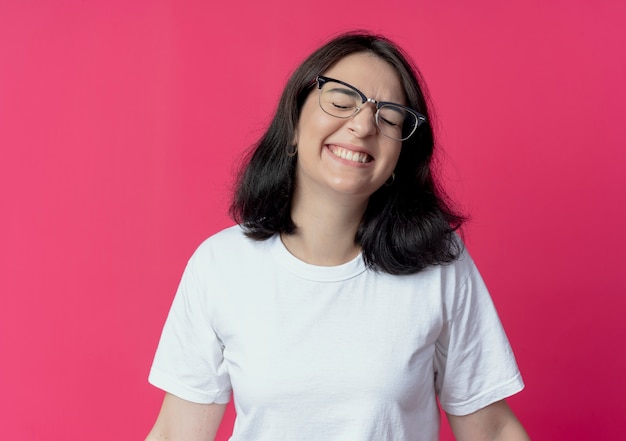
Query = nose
x=363 y=123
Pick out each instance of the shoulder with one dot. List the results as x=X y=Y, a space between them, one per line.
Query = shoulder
x=461 y=282
x=228 y=236
x=456 y=273
x=220 y=261
x=229 y=246
x=227 y=240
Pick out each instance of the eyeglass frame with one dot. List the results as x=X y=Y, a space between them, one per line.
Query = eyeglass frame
x=320 y=80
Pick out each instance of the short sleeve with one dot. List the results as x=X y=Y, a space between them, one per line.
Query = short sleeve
x=189 y=359
x=474 y=362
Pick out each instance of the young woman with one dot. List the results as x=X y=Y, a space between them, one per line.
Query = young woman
x=343 y=304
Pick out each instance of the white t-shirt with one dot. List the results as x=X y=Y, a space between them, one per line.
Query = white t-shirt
x=331 y=353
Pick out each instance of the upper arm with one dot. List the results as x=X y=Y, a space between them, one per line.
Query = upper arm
x=181 y=420
x=494 y=422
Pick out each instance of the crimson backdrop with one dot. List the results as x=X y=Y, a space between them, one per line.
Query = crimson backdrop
x=121 y=122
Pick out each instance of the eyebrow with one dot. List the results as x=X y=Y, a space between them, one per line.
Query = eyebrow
x=346 y=91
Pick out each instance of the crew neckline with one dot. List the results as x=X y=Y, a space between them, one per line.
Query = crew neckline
x=312 y=272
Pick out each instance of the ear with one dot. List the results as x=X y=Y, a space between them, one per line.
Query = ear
x=294 y=141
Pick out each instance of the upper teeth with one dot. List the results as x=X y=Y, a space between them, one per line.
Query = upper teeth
x=350 y=155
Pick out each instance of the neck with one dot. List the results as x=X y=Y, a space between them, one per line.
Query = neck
x=325 y=230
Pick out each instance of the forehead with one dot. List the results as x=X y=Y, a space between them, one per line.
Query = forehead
x=372 y=75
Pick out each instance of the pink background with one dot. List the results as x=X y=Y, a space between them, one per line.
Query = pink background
x=120 y=127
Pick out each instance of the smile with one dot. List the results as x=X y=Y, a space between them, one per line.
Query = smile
x=349 y=154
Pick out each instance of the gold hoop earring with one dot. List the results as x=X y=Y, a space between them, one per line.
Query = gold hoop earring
x=292 y=152
x=391 y=180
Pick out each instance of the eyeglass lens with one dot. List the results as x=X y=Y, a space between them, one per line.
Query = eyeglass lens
x=392 y=120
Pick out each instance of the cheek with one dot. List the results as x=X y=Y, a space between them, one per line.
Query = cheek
x=317 y=129
x=314 y=124
x=393 y=154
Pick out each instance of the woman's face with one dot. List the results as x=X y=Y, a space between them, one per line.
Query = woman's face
x=348 y=157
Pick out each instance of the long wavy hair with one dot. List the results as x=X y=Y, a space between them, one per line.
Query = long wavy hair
x=406 y=226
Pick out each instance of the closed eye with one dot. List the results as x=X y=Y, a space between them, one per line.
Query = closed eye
x=388 y=122
x=391 y=115
x=343 y=106
x=342 y=98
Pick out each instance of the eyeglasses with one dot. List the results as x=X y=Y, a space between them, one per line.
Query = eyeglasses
x=342 y=100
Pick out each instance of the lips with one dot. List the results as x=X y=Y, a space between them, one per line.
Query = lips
x=350 y=155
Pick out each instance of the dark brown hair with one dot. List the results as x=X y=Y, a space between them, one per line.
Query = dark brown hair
x=406 y=226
